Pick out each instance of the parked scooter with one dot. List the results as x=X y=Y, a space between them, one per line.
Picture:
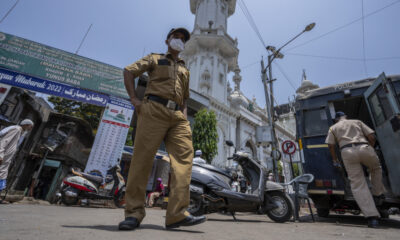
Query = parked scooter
x=86 y=186
x=210 y=191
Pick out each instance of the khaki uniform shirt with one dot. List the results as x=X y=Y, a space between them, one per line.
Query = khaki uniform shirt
x=348 y=131
x=168 y=79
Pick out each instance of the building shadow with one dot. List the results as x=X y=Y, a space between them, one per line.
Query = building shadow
x=114 y=228
x=350 y=221
x=233 y=220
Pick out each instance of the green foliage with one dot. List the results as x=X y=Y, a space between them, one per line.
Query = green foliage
x=129 y=137
x=296 y=169
x=90 y=113
x=205 y=136
x=280 y=168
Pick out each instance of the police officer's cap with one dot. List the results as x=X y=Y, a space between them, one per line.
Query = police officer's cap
x=181 y=30
x=339 y=114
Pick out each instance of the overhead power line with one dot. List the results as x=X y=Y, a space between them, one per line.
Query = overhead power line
x=363 y=37
x=250 y=20
x=285 y=75
x=9 y=11
x=345 y=25
x=343 y=58
x=326 y=57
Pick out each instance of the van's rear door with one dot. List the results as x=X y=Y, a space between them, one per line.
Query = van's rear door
x=383 y=105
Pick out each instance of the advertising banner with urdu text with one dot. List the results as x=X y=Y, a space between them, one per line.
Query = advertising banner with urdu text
x=51 y=88
x=44 y=62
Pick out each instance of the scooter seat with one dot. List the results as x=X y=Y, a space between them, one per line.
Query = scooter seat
x=213 y=169
x=90 y=177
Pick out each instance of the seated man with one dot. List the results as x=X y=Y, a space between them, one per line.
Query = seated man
x=158 y=192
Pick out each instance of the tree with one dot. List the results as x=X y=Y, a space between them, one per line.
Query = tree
x=89 y=112
x=205 y=136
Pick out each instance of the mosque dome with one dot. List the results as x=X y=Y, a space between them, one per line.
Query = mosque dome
x=239 y=99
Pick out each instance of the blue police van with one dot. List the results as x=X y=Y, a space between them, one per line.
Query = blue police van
x=376 y=102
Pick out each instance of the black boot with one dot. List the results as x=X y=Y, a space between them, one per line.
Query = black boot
x=187 y=221
x=130 y=223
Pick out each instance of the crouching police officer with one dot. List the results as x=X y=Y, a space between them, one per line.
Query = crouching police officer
x=356 y=141
x=161 y=116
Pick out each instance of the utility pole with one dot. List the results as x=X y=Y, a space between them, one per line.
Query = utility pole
x=269 y=105
x=274 y=145
x=269 y=97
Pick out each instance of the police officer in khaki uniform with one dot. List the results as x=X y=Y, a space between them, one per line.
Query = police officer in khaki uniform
x=356 y=141
x=161 y=117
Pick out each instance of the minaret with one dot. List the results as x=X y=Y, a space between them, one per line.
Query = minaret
x=211 y=53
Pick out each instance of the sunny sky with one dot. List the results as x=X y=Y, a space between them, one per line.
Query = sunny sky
x=124 y=30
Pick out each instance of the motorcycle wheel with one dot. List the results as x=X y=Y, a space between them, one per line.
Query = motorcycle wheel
x=119 y=201
x=68 y=201
x=284 y=211
x=195 y=206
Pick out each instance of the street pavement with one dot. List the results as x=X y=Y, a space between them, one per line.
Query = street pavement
x=26 y=221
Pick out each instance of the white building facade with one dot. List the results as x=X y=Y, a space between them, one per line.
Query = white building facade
x=210 y=55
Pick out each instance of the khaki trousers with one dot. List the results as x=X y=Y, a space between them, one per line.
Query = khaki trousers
x=353 y=159
x=155 y=124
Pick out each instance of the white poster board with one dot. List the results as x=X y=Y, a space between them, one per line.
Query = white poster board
x=111 y=136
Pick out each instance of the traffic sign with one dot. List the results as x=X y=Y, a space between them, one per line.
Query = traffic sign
x=289 y=147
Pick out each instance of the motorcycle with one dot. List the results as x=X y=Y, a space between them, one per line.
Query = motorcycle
x=81 y=185
x=210 y=191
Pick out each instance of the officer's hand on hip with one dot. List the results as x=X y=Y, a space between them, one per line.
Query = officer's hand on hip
x=136 y=103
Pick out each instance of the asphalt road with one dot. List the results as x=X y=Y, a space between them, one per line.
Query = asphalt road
x=19 y=221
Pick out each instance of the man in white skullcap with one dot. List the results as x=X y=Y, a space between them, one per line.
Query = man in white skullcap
x=10 y=138
x=197 y=157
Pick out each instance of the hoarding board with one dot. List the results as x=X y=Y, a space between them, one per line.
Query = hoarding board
x=51 y=88
x=44 y=62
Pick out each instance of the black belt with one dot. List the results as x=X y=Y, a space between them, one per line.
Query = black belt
x=167 y=103
x=352 y=145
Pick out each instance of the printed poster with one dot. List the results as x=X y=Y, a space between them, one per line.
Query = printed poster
x=111 y=136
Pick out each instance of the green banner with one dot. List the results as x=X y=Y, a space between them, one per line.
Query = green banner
x=41 y=61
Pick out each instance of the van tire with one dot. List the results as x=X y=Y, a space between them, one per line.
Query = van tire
x=323 y=212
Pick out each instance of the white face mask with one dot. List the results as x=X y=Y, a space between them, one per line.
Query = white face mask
x=177 y=44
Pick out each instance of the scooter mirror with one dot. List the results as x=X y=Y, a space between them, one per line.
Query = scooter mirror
x=229 y=143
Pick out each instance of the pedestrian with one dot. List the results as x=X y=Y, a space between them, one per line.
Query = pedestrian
x=356 y=142
x=162 y=116
x=10 y=138
x=158 y=192
x=271 y=177
x=197 y=157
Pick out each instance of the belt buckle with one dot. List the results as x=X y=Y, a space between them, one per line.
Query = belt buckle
x=171 y=105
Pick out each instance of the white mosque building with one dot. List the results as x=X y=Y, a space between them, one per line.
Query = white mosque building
x=210 y=55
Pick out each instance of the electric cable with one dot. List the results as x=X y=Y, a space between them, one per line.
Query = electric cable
x=343 y=58
x=9 y=11
x=250 y=20
x=345 y=25
x=285 y=75
x=363 y=37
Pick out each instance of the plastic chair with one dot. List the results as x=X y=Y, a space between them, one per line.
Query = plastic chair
x=300 y=185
